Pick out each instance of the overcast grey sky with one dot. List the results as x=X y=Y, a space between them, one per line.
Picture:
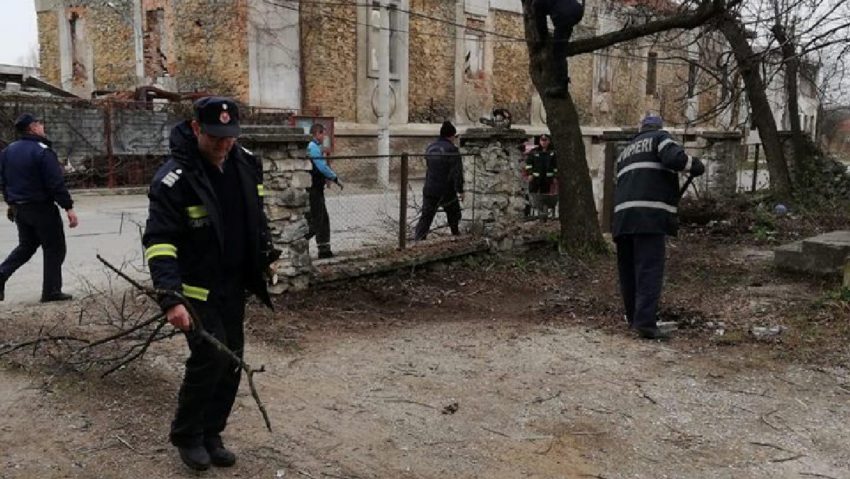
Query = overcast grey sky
x=18 y=31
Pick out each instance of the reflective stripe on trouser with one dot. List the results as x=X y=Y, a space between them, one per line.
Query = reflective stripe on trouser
x=211 y=379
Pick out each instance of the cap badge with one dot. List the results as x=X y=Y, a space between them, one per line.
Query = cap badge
x=224 y=117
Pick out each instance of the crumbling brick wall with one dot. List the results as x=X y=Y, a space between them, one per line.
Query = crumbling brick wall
x=212 y=47
x=511 y=81
x=48 y=46
x=431 y=95
x=329 y=42
x=110 y=33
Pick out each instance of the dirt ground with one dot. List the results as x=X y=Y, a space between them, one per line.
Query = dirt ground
x=490 y=367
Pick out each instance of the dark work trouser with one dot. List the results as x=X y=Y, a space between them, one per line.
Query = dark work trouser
x=561 y=37
x=320 y=222
x=450 y=204
x=212 y=378
x=640 y=260
x=39 y=224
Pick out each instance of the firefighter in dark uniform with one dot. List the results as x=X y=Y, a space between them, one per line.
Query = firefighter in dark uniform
x=541 y=167
x=207 y=237
x=645 y=204
x=565 y=14
x=443 y=183
x=33 y=184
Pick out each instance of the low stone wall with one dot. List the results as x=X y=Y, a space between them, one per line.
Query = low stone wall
x=286 y=177
x=495 y=191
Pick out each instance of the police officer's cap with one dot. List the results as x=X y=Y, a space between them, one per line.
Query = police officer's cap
x=24 y=121
x=218 y=116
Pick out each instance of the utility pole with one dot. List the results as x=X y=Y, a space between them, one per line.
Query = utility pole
x=384 y=96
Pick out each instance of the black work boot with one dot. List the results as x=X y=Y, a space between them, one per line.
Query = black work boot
x=325 y=253
x=60 y=296
x=653 y=333
x=196 y=457
x=219 y=455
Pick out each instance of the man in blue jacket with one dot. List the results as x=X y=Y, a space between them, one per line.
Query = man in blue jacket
x=33 y=184
x=443 y=183
x=321 y=174
x=646 y=200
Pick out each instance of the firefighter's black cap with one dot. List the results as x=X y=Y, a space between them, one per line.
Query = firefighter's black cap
x=218 y=116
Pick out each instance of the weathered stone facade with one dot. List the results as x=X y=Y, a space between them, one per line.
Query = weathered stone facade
x=212 y=47
x=111 y=38
x=431 y=95
x=511 y=81
x=48 y=46
x=329 y=43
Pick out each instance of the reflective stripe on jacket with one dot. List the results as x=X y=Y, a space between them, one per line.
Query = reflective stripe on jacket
x=647 y=192
x=184 y=237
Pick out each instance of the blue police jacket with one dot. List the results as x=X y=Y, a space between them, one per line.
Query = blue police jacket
x=30 y=173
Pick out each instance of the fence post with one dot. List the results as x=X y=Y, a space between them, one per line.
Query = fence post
x=402 y=204
x=110 y=158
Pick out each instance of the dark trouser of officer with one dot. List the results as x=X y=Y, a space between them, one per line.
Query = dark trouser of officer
x=640 y=260
x=212 y=378
x=39 y=224
x=320 y=222
x=449 y=203
x=561 y=37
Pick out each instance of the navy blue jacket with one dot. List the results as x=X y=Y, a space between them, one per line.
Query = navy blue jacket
x=184 y=236
x=30 y=173
x=563 y=12
x=444 y=175
x=647 y=195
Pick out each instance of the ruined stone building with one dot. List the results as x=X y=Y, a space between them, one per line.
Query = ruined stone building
x=449 y=59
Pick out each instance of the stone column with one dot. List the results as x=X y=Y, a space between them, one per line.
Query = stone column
x=286 y=179
x=722 y=156
x=495 y=196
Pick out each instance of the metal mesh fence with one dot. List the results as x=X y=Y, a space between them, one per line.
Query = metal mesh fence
x=111 y=143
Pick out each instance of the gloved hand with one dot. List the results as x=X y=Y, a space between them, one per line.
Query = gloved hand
x=271 y=255
x=10 y=213
x=697 y=168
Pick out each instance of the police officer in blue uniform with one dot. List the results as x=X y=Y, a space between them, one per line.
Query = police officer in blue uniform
x=565 y=14
x=33 y=184
x=645 y=206
x=443 y=183
x=207 y=237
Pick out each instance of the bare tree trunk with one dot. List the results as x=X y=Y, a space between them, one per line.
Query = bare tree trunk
x=580 y=232
x=748 y=64
x=791 y=63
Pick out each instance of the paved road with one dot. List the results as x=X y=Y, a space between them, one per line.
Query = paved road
x=110 y=226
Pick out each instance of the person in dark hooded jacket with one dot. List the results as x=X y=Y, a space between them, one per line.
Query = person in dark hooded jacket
x=443 y=183
x=207 y=237
x=565 y=15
